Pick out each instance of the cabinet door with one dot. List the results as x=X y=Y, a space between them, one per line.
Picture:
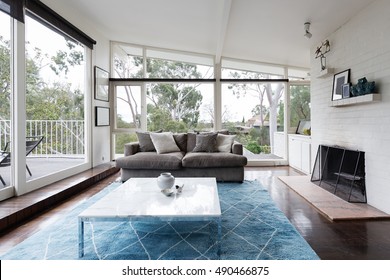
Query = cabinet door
x=294 y=152
x=306 y=157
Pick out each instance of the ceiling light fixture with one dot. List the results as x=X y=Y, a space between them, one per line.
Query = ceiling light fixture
x=307 y=28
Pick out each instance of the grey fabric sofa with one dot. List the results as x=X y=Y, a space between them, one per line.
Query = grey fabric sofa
x=224 y=166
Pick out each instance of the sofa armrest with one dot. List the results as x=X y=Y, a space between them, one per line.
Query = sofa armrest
x=131 y=148
x=237 y=148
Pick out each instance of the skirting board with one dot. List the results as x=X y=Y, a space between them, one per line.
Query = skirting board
x=331 y=206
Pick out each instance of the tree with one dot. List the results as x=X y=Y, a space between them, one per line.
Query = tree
x=300 y=104
x=172 y=106
x=270 y=92
x=45 y=100
x=124 y=68
x=5 y=79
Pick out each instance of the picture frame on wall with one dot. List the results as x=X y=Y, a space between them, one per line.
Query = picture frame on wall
x=339 y=80
x=102 y=116
x=346 y=90
x=101 y=84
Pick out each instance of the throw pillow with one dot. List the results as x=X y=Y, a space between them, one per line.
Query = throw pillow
x=191 y=141
x=206 y=143
x=164 y=142
x=145 y=142
x=181 y=141
x=225 y=142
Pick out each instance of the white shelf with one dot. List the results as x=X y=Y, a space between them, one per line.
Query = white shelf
x=367 y=98
x=325 y=73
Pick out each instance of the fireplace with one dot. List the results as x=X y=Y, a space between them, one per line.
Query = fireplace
x=341 y=172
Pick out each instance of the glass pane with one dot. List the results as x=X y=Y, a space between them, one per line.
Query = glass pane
x=236 y=69
x=128 y=61
x=128 y=107
x=5 y=100
x=255 y=113
x=180 y=107
x=120 y=139
x=298 y=74
x=299 y=104
x=54 y=100
x=167 y=69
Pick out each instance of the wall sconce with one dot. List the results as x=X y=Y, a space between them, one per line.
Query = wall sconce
x=321 y=51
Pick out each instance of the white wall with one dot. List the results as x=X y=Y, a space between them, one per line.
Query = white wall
x=363 y=45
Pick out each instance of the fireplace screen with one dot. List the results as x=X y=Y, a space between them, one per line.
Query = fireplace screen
x=341 y=172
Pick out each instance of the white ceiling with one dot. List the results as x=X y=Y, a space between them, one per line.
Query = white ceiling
x=260 y=30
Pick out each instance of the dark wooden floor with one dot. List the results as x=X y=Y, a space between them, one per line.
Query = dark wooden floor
x=366 y=240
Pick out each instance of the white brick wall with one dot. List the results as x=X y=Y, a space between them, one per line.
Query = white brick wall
x=362 y=45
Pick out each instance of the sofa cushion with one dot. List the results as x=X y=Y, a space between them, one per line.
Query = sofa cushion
x=225 y=143
x=145 y=142
x=191 y=141
x=206 y=143
x=164 y=142
x=151 y=160
x=204 y=160
x=181 y=141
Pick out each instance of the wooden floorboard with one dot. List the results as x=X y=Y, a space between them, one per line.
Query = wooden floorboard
x=16 y=210
x=343 y=240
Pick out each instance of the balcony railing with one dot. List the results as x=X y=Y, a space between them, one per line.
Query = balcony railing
x=62 y=138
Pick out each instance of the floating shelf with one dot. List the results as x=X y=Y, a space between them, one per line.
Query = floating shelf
x=325 y=73
x=356 y=100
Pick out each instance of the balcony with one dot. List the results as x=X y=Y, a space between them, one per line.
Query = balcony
x=62 y=147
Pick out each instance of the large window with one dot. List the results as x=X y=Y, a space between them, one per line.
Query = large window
x=180 y=107
x=299 y=104
x=255 y=113
x=55 y=67
x=253 y=107
x=175 y=87
x=181 y=94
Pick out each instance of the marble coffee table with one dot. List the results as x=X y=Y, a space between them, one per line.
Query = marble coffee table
x=140 y=199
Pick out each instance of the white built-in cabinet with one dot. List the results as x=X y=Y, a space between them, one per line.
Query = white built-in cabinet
x=299 y=152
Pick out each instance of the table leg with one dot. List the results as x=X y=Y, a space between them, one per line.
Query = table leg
x=81 y=237
x=219 y=222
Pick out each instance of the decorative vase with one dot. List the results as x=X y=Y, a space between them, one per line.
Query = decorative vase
x=165 y=181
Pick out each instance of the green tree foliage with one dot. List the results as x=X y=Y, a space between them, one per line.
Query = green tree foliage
x=5 y=79
x=300 y=104
x=44 y=101
x=266 y=93
x=171 y=106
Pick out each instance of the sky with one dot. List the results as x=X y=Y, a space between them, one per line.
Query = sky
x=49 y=42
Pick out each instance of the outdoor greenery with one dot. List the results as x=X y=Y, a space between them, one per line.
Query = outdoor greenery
x=175 y=106
x=45 y=100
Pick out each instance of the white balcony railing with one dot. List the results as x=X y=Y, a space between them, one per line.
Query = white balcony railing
x=62 y=138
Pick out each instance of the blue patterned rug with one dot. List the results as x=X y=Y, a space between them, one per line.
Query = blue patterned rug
x=252 y=228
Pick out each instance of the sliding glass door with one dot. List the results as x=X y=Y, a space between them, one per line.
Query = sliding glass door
x=55 y=105
x=6 y=158
x=254 y=112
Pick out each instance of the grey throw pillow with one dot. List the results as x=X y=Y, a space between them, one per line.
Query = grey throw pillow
x=145 y=142
x=181 y=141
x=206 y=143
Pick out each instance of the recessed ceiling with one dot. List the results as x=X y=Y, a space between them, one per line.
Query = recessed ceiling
x=258 y=30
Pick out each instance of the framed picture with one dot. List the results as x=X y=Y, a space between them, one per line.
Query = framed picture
x=102 y=116
x=101 y=84
x=303 y=126
x=346 y=90
x=339 y=80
